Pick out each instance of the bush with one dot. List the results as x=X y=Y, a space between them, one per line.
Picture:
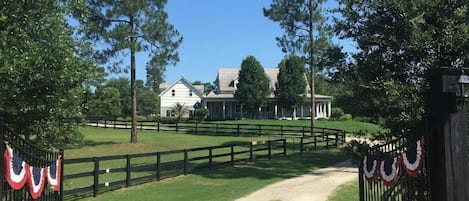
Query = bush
x=336 y=113
x=345 y=117
x=200 y=114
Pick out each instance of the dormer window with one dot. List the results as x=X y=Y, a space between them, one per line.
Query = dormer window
x=173 y=92
x=190 y=92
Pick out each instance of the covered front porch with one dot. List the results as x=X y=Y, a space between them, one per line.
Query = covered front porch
x=224 y=109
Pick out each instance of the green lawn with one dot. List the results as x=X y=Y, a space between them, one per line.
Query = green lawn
x=220 y=184
x=349 y=125
x=105 y=142
x=346 y=192
x=226 y=183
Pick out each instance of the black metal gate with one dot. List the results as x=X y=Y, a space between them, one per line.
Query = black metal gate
x=405 y=188
x=31 y=155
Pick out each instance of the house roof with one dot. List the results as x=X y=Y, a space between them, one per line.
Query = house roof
x=187 y=83
x=228 y=76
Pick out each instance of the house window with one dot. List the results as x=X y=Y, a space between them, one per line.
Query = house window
x=173 y=92
x=237 y=108
x=190 y=92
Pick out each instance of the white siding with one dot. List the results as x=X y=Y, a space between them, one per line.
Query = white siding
x=181 y=95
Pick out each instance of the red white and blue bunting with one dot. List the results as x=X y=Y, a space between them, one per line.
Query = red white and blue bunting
x=18 y=173
x=412 y=159
x=36 y=181
x=369 y=168
x=388 y=169
x=16 y=170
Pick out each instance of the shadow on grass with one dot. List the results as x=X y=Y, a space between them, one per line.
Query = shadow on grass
x=91 y=143
x=278 y=167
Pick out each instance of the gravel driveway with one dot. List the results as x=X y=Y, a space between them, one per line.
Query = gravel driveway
x=314 y=186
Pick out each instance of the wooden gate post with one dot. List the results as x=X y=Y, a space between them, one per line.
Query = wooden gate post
x=446 y=141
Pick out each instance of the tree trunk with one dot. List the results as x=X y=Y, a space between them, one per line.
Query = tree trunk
x=133 y=85
x=311 y=67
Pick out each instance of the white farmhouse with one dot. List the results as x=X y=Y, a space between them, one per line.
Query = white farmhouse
x=181 y=91
x=222 y=104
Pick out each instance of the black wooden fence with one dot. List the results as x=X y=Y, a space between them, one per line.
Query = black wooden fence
x=208 y=128
x=406 y=187
x=97 y=174
x=32 y=155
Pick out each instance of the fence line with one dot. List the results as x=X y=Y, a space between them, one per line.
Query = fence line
x=165 y=164
x=219 y=128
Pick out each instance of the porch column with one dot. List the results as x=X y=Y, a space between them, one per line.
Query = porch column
x=294 y=114
x=224 y=108
x=328 y=109
x=302 y=112
x=323 y=110
x=275 y=110
x=317 y=110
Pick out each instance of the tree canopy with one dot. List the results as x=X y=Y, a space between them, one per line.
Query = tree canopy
x=291 y=89
x=253 y=86
x=42 y=69
x=130 y=26
x=399 y=42
x=306 y=33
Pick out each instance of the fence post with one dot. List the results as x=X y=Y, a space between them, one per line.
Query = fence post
x=2 y=164
x=260 y=130
x=301 y=145
x=196 y=128
x=185 y=162
x=158 y=168
x=315 y=142
x=343 y=137
x=158 y=126
x=141 y=125
x=216 y=129
x=127 y=171
x=177 y=127
x=303 y=132
x=281 y=130
x=232 y=155
x=114 y=124
x=284 y=147
x=105 y=123
x=327 y=141
x=269 y=145
x=238 y=129
x=210 y=158
x=125 y=124
x=361 y=182
x=96 y=177
x=61 y=190
x=336 y=139
x=251 y=155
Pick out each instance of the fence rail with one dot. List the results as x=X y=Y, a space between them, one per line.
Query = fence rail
x=208 y=128
x=138 y=168
x=406 y=187
x=33 y=156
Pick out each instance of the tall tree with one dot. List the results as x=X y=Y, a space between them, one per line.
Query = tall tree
x=129 y=26
x=291 y=89
x=106 y=102
x=38 y=72
x=253 y=87
x=306 y=32
x=400 y=41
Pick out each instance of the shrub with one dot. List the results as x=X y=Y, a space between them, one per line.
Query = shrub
x=336 y=113
x=345 y=117
x=200 y=114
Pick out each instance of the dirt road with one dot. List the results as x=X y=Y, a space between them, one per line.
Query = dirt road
x=314 y=186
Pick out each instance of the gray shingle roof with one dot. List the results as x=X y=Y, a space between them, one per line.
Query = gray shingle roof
x=227 y=76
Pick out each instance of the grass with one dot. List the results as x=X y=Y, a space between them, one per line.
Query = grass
x=226 y=183
x=345 y=192
x=349 y=125
x=105 y=142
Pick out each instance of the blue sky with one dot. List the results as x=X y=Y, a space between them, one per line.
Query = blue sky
x=218 y=34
